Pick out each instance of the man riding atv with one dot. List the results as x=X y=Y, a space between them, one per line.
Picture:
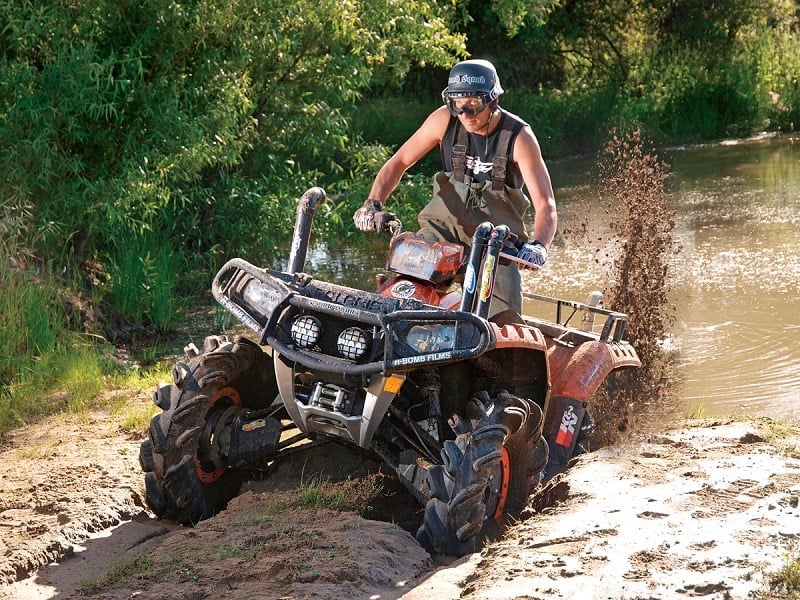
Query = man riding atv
x=488 y=155
x=468 y=412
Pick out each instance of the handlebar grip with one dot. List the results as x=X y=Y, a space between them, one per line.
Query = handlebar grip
x=386 y=221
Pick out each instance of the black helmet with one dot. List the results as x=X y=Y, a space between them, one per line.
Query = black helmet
x=472 y=78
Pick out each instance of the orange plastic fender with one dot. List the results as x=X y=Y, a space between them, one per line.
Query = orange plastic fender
x=517 y=335
x=577 y=371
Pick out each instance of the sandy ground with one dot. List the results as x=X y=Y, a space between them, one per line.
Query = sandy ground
x=709 y=510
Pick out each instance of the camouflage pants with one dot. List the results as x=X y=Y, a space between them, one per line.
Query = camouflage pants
x=458 y=207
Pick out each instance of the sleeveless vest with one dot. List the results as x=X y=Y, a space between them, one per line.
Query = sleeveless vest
x=483 y=157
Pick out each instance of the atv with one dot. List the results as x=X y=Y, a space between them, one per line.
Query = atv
x=471 y=414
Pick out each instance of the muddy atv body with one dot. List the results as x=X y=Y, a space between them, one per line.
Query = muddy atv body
x=469 y=413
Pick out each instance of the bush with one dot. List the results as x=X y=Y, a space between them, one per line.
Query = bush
x=142 y=126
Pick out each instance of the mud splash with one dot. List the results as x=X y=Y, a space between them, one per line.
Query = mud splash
x=636 y=252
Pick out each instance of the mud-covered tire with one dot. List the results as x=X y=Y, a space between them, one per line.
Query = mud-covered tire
x=488 y=473
x=180 y=484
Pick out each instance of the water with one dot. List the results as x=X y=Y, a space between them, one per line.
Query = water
x=735 y=283
x=736 y=280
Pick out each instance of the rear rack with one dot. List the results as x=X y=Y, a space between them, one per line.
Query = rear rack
x=613 y=328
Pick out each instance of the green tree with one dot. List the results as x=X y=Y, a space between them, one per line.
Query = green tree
x=178 y=126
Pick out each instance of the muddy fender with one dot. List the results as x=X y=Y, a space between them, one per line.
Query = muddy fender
x=577 y=372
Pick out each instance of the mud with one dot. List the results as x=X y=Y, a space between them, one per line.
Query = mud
x=708 y=510
x=63 y=480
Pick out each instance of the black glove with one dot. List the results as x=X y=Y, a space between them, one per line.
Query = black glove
x=386 y=221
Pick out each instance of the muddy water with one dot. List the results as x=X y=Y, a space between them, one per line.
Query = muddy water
x=735 y=282
x=738 y=277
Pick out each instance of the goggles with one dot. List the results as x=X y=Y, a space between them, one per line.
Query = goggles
x=468 y=105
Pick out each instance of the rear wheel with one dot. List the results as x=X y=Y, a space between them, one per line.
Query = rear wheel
x=488 y=473
x=184 y=480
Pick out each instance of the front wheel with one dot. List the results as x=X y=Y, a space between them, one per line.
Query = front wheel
x=488 y=473
x=182 y=480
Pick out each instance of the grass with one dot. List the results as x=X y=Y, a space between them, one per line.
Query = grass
x=78 y=378
x=135 y=419
x=143 y=273
x=134 y=566
x=45 y=366
x=266 y=515
x=699 y=412
x=247 y=549
x=48 y=450
x=783 y=434
x=389 y=121
x=789 y=576
x=785 y=584
x=352 y=494
x=61 y=379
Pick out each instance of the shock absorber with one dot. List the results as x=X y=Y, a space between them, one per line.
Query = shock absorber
x=472 y=277
x=239 y=438
x=495 y=243
x=430 y=386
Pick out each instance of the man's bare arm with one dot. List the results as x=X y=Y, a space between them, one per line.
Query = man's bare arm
x=528 y=157
x=423 y=140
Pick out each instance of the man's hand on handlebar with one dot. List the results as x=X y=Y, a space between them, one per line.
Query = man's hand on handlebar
x=533 y=254
x=386 y=221
x=364 y=217
x=372 y=217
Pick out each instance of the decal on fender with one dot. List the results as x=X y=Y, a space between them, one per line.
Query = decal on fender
x=403 y=289
x=469 y=279
x=566 y=430
x=486 y=288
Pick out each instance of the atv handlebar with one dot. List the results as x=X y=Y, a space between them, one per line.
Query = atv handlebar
x=387 y=222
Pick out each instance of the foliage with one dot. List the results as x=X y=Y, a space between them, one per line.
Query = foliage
x=67 y=376
x=566 y=122
x=35 y=325
x=777 y=62
x=787 y=579
x=692 y=99
x=143 y=274
x=351 y=494
x=151 y=122
x=129 y=567
x=32 y=326
x=681 y=71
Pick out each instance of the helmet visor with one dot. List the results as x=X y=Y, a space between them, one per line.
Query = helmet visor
x=468 y=105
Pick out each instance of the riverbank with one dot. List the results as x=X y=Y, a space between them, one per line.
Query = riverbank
x=709 y=509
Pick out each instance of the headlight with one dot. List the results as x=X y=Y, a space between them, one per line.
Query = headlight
x=435 y=337
x=435 y=262
x=305 y=331
x=262 y=298
x=352 y=343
